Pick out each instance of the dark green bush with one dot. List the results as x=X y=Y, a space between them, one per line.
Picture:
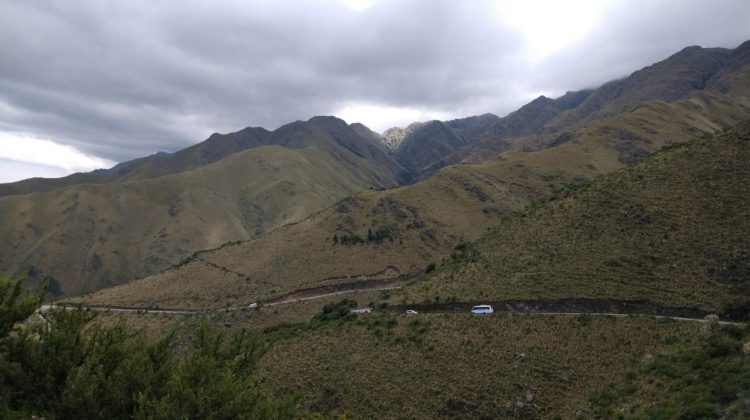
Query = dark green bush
x=67 y=368
x=339 y=310
x=705 y=379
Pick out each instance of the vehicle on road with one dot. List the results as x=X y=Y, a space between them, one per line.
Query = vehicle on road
x=362 y=310
x=411 y=312
x=253 y=305
x=481 y=309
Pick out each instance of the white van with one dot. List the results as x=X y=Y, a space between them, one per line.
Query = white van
x=481 y=309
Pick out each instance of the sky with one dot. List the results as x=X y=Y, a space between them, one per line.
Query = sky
x=88 y=83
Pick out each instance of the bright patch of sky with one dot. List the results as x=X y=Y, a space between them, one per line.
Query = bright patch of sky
x=548 y=26
x=358 y=5
x=382 y=117
x=23 y=156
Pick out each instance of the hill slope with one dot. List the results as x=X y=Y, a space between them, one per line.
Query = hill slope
x=85 y=237
x=393 y=235
x=544 y=122
x=355 y=137
x=672 y=229
x=426 y=220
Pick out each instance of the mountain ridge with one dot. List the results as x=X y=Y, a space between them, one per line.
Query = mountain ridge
x=488 y=191
x=87 y=236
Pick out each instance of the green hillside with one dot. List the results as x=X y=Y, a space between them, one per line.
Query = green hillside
x=694 y=72
x=421 y=223
x=90 y=236
x=462 y=366
x=672 y=229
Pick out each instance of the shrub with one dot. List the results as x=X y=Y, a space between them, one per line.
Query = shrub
x=738 y=310
x=70 y=369
x=338 y=310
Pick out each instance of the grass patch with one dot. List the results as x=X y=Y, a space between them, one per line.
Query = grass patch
x=457 y=365
x=705 y=378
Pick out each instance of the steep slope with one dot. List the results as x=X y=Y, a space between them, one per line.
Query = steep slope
x=672 y=229
x=668 y=80
x=421 y=147
x=394 y=235
x=354 y=139
x=544 y=121
x=430 y=146
x=88 y=236
x=426 y=143
x=505 y=133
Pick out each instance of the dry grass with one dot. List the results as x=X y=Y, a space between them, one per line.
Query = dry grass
x=88 y=237
x=156 y=325
x=427 y=219
x=459 y=366
x=672 y=229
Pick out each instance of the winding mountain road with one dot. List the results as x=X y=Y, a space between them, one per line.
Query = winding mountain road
x=542 y=307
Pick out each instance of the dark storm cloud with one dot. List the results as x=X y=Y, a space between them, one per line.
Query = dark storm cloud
x=124 y=79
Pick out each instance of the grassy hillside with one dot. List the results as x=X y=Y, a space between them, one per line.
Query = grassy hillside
x=672 y=229
x=703 y=76
x=89 y=236
x=214 y=148
x=80 y=232
x=462 y=366
x=668 y=80
x=421 y=223
x=705 y=378
x=318 y=131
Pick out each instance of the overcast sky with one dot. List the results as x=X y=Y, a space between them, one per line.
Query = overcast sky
x=87 y=83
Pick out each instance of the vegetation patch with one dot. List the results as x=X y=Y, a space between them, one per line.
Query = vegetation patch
x=377 y=236
x=672 y=230
x=705 y=378
x=459 y=365
x=65 y=367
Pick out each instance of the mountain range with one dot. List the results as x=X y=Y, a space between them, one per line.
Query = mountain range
x=607 y=228
x=396 y=234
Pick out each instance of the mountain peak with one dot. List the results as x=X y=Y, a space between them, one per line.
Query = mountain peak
x=394 y=136
x=326 y=119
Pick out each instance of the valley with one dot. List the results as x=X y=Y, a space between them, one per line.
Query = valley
x=608 y=228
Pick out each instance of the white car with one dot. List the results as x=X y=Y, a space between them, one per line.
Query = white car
x=481 y=309
x=253 y=305
x=411 y=312
x=362 y=311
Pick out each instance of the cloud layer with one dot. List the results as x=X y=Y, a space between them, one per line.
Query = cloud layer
x=120 y=80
